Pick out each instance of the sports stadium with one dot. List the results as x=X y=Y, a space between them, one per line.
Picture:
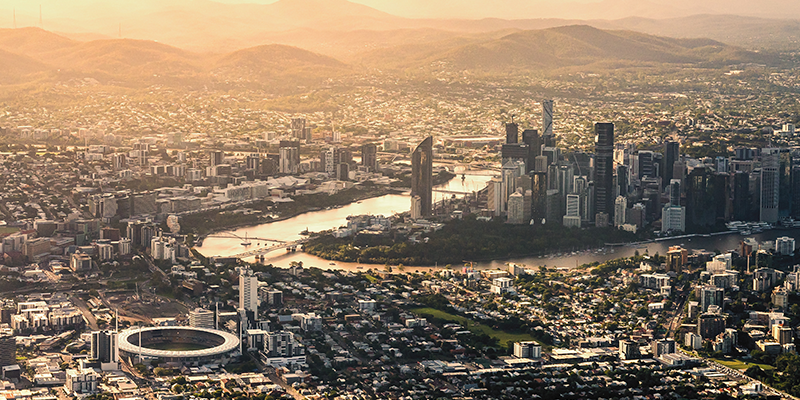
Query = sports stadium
x=177 y=344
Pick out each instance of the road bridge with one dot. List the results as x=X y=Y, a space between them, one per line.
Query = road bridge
x=268 y=249
x=250 y=238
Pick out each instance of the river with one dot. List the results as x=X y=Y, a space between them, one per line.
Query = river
x=289 y=230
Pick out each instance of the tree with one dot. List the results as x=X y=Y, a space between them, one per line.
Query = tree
x=755 y=372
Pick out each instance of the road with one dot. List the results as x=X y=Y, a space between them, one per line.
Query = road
x=87 y=314
x=153 y=268
x=738 y=374
x=676 y=321
x=273 y=376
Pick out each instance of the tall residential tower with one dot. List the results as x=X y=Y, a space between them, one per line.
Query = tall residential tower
x=422 y=175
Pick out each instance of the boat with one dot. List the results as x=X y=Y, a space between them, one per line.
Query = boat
x=304 y=232
x=246 y=242
x=333 y=263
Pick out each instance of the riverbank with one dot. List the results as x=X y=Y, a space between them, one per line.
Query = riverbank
x=464 y=240
x=203 y=225
x=210 y=222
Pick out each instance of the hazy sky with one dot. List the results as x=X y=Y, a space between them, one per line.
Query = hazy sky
x=28 y=10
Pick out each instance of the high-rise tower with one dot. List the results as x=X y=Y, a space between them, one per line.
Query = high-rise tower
x=512 y=133
x=770 y=184
x=671 y=155
x=547 y=118
x=604 y=169
x=369 y=157
x=534 y=142
x=248 y=291
x=422 y=175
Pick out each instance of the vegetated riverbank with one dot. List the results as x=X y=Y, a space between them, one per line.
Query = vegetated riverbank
x=465 y=240
x=209 y=222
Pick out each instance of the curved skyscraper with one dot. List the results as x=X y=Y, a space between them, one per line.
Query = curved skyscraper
x=547 y=118
x=422 y=175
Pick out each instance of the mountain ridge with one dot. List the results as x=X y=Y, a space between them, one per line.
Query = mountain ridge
x=569 y=46
x=137 y=62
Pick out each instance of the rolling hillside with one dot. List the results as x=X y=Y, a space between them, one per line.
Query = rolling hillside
x=269 y=62
x=27 y=52
x=142 y=62
x=17 y=68
x=33 y=41
x=570 y=46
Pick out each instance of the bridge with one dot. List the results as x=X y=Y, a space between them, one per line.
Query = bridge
x=268 y=249
x=235 y=236
x=456 y=192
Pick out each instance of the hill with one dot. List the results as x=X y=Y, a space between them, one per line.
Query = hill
x=749 y=32
x=16 y=68
x=570 y=46
x=126 y=58
x=269 y=62
x=33 y=41
x=130 y=62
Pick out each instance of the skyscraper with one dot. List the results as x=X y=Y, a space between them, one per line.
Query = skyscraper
x=620 y=208
x=741 y=196
x=516 y=211
x=707 y=197
x=711 y=296
x=673 y=218
x=104 y=346
x=516 y=152
x=623 y=179
x=671 y=155
x=215 y=157
x=200 y=318
x=534 y=142
x=572 y=218
x=510 y=173
x=8 y=350
x=422 y=175
x=645 y=163
x=298 y=128
x=538 y=196
x=770 y=184
x=248 y=291
x=289 y=157
x=547 y=119
x=795 y=192
x=369 y=157
x=675 y=192
x=604 y=169
x=512 y=133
